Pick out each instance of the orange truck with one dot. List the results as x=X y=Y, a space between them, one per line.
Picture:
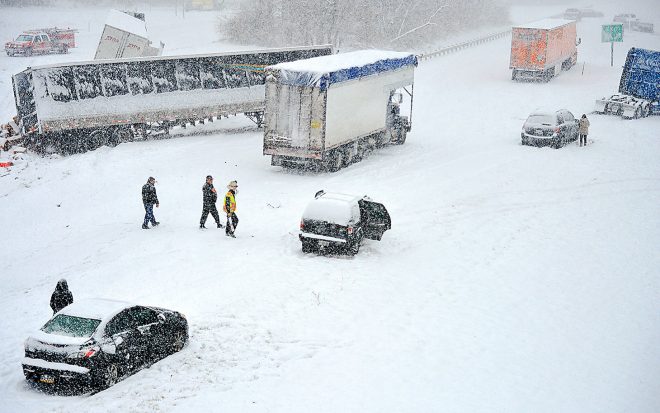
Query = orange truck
x=541 y=50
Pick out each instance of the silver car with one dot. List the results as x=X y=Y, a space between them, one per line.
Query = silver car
x=553 y=129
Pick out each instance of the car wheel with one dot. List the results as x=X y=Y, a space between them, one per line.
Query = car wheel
x=109 y=376
x=179 y=341
x=638 y=113
x=353 y=248
x=524 y=140
x=307 y=247
x=28 y=52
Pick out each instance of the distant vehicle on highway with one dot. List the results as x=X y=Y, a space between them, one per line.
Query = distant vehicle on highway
x=95 y=343
x=554 y=129
x=572 y=14
x=630 y=21
x=589 y=12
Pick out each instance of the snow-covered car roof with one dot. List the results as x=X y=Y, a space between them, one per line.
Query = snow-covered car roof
x=546 y=24
x=332 y=207
x=325 y=70
x=95 y=308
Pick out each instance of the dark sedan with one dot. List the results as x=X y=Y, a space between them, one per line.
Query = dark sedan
x=554 y=129
x=95 y=343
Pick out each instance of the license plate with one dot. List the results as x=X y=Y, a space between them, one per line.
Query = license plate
x=46 y=378
x=323 y=243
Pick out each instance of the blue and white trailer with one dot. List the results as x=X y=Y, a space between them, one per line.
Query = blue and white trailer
x=327 y=112
x=639 y=88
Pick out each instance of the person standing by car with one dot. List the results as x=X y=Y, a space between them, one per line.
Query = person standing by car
x=230 y=209
x=209 y=198
x=61 y=297
x=584 y=129
x=149 y=199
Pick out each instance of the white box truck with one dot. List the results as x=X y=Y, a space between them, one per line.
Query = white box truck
x=327 y=112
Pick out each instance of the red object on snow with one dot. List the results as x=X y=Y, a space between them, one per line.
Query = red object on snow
x=6 y=164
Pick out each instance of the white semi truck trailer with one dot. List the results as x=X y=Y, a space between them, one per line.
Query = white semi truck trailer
x=327 y=112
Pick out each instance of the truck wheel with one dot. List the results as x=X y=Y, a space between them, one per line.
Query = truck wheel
x=28 y=52
x=123 y=135
x=97 y=138
x=638 y=113
x=336 y=161
x=647 y=111
x=401 y=136
x=64 y=49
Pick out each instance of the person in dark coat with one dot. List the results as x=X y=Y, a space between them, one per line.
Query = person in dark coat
x=230 y=209
x=61 y=296
x=149 y=199
x=209 y=198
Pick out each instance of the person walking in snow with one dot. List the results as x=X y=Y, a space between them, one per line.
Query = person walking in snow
x=209 y=198
x=230 y=209
x=61 y=297
x=149 y=199
x=584 y=129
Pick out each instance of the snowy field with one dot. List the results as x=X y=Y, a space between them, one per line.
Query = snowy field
x=514 y=279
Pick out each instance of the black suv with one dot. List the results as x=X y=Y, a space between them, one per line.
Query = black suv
x=339 y=222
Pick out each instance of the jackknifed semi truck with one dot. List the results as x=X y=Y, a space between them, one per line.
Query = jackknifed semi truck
x=75 y=107
x=543 y=49
x=639 y=87
x=327 y=112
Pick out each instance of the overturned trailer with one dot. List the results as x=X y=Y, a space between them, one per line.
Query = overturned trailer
x=639 y=87
x=75 y=107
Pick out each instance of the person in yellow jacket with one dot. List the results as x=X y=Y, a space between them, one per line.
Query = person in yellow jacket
x=230 y=209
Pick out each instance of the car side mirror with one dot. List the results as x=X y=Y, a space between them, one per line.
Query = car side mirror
x=161 y=318
x=118 y=339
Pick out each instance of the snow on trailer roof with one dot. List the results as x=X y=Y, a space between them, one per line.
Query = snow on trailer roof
x=546 y=24
x=127 y=23
x=173 y=57
x=325 y=70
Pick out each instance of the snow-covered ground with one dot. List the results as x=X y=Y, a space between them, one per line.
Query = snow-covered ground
x=514 y=279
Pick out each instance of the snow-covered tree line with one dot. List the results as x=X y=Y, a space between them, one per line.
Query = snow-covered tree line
x=358 y=23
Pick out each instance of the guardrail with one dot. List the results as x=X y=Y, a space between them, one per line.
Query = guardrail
x=464 y=45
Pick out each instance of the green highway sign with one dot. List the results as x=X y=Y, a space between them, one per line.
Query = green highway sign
x=612 y=33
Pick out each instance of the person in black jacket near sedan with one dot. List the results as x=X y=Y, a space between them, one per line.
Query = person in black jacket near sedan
x=209 y=198
x=61 y=296
x=149 y=199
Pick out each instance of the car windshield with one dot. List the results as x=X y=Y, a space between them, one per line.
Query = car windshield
x=24 y=38
x=547 y=120
x=66 y=325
